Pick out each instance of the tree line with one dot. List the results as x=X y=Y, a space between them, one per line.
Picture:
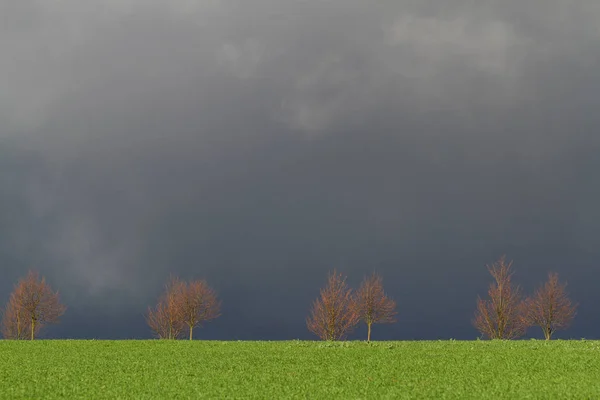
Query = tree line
x=183 y=306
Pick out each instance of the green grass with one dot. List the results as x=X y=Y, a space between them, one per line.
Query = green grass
x=295 y=369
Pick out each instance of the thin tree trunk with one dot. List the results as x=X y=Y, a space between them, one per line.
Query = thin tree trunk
x=191 y=329
x=369 y=333
x=32 y=329
x=19 y=325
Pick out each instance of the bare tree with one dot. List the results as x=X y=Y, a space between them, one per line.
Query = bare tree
x=35 y=302
x=165 y=319
x=199 y=304
x=501 y=316
x=14 y=324
x=372 y=305
x=550 y=307
x=333 y=315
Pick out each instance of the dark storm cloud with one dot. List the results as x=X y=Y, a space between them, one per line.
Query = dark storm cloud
x=260 y=144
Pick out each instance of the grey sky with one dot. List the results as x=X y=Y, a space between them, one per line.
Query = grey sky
x=260 y=144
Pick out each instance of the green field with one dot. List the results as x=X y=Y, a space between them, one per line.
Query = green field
x=296 y=369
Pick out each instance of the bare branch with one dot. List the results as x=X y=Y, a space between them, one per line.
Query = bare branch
x=199 y=305
x=372 y=305
x=32 y=305
x=333 y=315
x=165 y=319
x=14 y=324
x=550 y=307
x=501 y=316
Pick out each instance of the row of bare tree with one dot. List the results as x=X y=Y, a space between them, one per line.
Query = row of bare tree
x=183 y=306
x=337 y=310
x=507 y=314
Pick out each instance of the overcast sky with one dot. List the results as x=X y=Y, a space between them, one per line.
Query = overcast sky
x=260 y=144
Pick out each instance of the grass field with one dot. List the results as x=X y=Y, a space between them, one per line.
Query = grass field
x=295 y=369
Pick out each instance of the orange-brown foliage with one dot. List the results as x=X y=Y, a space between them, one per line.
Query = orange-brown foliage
x=502 y=315
x=333 y=315
x=199 y=304
x=32 y=305
x=550 y=307
x=372 y=305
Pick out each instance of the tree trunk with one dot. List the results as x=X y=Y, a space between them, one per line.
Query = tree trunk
x=191 y=329
x=369 y=333
x=32 y=328
x=19 y=334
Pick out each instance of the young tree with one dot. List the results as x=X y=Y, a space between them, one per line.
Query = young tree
x=165 y=319
x=333 y=315
x=372 y=305
x=199 y=304
x=550 y=307
x=14 y=324
x=501 y=316
x=35 y=301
